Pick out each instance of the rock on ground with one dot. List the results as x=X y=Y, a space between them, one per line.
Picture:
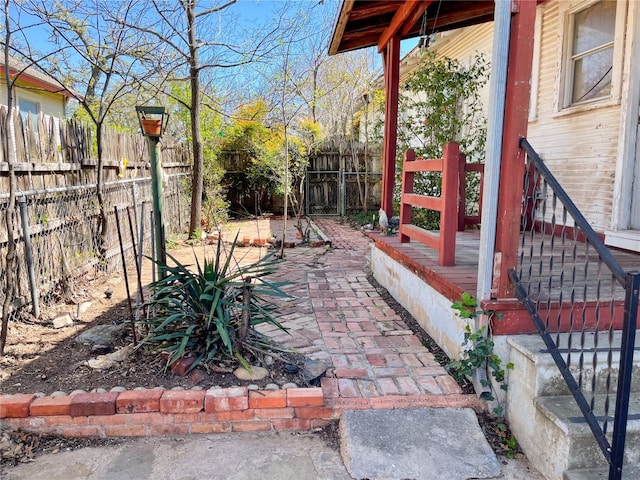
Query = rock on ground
x=103 y=334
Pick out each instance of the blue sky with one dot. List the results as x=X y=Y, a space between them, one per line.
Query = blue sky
x=247 y=12
x=255 y=9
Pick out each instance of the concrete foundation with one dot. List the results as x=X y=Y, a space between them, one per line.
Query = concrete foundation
x=430 y=308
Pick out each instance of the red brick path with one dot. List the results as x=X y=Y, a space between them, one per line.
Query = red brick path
x=337 y=316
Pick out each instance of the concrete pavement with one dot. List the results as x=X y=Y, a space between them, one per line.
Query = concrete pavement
x=263 y=455
x=238 y=456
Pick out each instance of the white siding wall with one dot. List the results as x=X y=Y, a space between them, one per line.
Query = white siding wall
x=580 y=148
x=464 y=45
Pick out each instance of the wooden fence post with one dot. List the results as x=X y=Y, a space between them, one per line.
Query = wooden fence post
x=407 y=187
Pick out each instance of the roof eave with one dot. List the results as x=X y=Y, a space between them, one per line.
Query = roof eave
x=340 y=24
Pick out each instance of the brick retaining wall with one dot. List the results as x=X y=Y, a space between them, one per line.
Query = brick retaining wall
x=167 y=412
x=154 y=412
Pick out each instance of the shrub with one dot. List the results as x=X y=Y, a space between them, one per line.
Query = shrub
x=210 y=313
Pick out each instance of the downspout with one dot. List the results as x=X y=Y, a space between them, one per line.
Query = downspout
x=495 y=124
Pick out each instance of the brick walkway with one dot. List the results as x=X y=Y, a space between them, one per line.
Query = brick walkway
x=333 y=315
x=337 y=316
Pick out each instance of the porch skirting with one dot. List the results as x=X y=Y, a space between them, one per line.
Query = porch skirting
x=431 y=309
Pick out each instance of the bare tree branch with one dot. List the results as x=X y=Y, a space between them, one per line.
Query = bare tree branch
x=204 y=13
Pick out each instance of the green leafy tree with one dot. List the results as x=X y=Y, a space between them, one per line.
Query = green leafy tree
x=195 y=42
x=215 y=206
x=441 y=103
x=247 y=138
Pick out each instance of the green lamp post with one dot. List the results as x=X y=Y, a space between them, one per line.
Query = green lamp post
x=153 y=121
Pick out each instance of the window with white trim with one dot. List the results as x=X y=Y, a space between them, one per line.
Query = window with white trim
x=590 y=53
x=28 y=108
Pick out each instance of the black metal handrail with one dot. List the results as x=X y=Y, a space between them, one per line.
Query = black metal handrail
x=564 y=293
x=572 y=210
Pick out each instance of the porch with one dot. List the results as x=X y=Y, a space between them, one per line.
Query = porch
x=453 y=281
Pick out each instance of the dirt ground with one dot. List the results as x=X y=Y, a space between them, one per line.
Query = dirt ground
x=41 y=358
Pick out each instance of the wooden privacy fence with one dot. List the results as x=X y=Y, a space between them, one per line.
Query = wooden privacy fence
x=342 y=178
x=55 y=153
x=57 y=228
x=451 y=203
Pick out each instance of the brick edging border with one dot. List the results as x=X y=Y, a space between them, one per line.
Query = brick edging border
x=149 y=412
x=154 y=412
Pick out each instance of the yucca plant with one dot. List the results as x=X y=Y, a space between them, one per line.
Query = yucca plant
x=210 y=313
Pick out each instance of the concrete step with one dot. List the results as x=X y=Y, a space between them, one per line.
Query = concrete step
x=546 y=378
x=563 y=426
x=629 y=472
x=534 y=412
x=416 y=443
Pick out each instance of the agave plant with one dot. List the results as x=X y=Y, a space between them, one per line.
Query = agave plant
x=210 y=312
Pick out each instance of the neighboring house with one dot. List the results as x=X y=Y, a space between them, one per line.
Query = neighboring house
x=35 y=92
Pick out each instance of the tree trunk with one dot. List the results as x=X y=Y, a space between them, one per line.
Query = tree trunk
x=197 y=179
x=314 y=99
x=102 y=216
x=10 y=219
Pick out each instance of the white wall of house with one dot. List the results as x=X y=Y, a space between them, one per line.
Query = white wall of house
x=464 y=44
x=578 y=143
x=581 y=144
x=52 y=104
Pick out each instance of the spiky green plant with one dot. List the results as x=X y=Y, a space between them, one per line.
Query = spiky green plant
x=210 y=312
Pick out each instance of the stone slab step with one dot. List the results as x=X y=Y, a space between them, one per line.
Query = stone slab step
x=629 y=472
x=571 y=429
x=415 y=443
x=549 y=381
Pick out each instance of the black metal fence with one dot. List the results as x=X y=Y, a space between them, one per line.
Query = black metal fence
x=570 y=282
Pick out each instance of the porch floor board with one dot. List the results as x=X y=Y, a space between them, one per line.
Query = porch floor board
x=462 y=277
x=422 y=260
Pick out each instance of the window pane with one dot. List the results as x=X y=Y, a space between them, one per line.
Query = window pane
x=25 y=106
x=592 y=76
x=594 y=26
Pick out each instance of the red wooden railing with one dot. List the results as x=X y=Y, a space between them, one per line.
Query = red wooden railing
x=451 y=203
x=463 y=218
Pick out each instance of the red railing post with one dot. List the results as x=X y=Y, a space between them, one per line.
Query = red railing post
x=462 y=191
x=391 y=62
x=407 y=187
x=449 y=212
x=512 y=165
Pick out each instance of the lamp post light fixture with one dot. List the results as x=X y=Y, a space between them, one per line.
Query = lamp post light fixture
x=153 y=121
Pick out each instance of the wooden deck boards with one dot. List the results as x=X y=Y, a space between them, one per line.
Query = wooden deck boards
x=547 y=257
